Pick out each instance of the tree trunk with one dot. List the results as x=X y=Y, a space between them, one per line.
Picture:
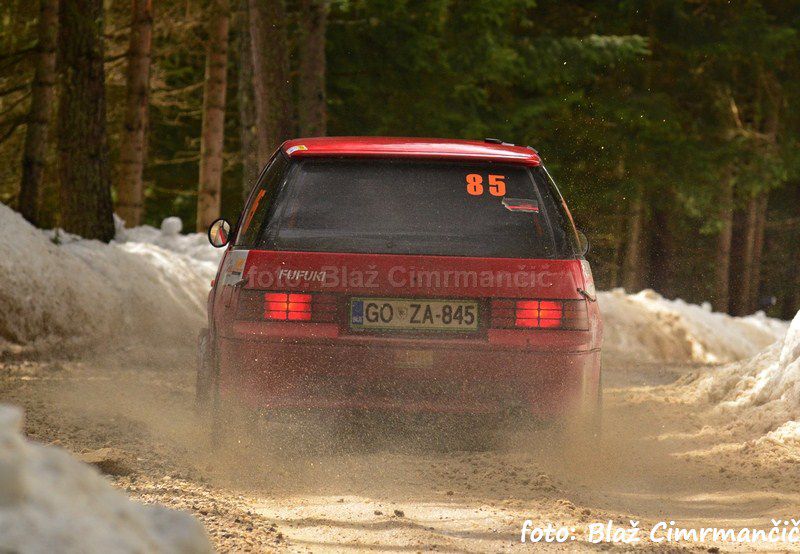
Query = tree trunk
x=312 y=109
x=271 y=81
x=247 y=113
x=631 y=270
x=742 y=299
x=132 y=147
x=770 y=91
x=213 y=131
x=33 y=160
x=617 y=259
x=758 y=248
x=661 y=256
x=790 y=304
x=82 y=141
x=722 y=267
x=795 y=301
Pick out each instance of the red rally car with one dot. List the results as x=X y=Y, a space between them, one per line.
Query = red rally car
x=403 y=274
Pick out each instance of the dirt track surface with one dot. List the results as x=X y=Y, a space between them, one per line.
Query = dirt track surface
x=400 y=490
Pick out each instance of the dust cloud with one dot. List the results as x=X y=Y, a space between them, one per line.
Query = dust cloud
x=360 y=480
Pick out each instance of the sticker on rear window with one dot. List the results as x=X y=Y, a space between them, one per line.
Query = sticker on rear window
x=521 y=205
x=496 y=184
x=293 y=149
x=234 y=268
x=253 y=208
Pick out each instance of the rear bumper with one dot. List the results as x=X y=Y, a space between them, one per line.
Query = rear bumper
x=407 y=376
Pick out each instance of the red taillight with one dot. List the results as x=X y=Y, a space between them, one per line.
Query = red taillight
x=287 y=306
x=540 y=314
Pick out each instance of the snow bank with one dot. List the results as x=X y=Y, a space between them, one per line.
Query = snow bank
x=194 y=245
x=648 y=327
x=763 y=391
x=83 y=292
x=50 y=502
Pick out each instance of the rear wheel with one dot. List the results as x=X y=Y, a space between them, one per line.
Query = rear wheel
x=598 y=419
x=205 y=366
x=208 y=404
x=233 y=424
x=588 y=427
x=217 y=421
x=579 y=428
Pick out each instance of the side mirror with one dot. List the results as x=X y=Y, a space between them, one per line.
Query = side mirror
x=583 y=244
x=219 y=233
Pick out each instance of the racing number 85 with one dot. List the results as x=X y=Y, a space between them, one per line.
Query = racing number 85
x=497 y=185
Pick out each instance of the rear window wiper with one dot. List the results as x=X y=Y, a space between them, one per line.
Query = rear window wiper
x=521 y=205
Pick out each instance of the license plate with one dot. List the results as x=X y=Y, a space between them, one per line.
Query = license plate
x=412 y=314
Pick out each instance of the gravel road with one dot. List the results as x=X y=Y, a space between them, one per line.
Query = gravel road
x=313 y=487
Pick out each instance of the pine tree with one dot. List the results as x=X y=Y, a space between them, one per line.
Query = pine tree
x=33 y=159
x=247 y=110
x=85 y=195
x=271 y=78
x=311 y=106
x=213 y=132
x=132 y=149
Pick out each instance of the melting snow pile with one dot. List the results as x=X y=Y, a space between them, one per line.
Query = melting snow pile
x=764 y=390
x=83 y=292
x=169 y=237
x=50 y=502
x=648 y=327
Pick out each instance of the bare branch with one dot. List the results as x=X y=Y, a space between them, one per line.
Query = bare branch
x=10 y=131
x=173 y=191
x=18 y=53
x=115 y=57
x=12 y=90
x=737 y=120
x=177 y=161
x=15 y=103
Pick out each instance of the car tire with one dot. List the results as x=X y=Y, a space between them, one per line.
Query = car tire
x=217 y=426
x=204 y=378
x=208 y=404
x=591 y=423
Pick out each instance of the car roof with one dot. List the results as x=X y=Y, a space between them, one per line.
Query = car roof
x=406 y=147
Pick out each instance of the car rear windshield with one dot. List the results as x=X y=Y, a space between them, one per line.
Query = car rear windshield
x=408 y=207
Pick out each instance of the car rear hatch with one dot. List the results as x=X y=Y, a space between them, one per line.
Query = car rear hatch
x=406 y=251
